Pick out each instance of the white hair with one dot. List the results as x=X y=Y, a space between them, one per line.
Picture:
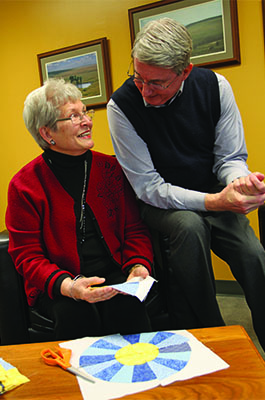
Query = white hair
x=164 y=43
x=41 y=107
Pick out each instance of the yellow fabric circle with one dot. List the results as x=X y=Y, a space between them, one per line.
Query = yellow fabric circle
x=137 y=353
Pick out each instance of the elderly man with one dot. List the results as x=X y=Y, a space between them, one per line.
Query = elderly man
x=178 y=136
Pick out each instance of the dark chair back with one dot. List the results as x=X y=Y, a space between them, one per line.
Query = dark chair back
x=19 y=323
x=261 y=218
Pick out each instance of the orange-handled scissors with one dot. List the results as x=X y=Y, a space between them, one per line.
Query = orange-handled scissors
x=62 y=357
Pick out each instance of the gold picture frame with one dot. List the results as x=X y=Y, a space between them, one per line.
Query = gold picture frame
x=86 y=65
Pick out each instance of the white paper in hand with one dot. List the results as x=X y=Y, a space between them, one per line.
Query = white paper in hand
x=137 y=287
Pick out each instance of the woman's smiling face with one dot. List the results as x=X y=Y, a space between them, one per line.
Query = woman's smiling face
x=72 y=138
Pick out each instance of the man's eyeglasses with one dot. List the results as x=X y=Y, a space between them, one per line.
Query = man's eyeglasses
x=153 y=85
x=77 y=118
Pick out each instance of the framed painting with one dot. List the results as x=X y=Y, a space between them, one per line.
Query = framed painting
x=86 y=65
x=213 y=25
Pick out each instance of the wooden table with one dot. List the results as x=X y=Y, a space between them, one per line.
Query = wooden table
x=243 y=380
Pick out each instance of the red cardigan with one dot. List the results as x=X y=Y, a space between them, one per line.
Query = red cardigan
x=42 y=224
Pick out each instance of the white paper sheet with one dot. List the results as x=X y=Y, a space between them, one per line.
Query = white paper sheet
x=102 y=390
x=137 y=287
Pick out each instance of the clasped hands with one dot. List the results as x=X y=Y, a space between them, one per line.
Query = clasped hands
x=242 y=196
x=83 y=288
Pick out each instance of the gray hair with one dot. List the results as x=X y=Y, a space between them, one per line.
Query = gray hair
x=42 y=106
x=164 y=43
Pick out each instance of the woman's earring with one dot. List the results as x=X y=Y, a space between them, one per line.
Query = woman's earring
x=52 y=142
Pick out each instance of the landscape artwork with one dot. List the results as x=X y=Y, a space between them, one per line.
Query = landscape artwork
x=81 y=70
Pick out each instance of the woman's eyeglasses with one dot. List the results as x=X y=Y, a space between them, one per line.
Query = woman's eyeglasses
x=77 y=118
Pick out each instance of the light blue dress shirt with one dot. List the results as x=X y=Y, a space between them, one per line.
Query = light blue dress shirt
x=230 y=155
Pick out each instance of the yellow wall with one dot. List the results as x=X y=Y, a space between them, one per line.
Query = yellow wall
x=37 y=26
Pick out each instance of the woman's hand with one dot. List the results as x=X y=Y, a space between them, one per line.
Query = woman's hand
x=138 y=270
x=82 y=289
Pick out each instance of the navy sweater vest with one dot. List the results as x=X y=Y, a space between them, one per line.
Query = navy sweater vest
x=180 y=137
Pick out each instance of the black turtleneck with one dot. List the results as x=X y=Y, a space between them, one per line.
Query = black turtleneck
x=70 y=172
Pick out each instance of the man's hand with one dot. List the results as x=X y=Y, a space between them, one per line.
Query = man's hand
x=250 y=185
x=242 y=196
x=138 y=270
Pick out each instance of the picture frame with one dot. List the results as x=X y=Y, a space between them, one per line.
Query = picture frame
x=213 y=25
x=86 y=65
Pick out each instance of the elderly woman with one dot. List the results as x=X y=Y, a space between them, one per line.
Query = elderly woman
x=74 y=223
